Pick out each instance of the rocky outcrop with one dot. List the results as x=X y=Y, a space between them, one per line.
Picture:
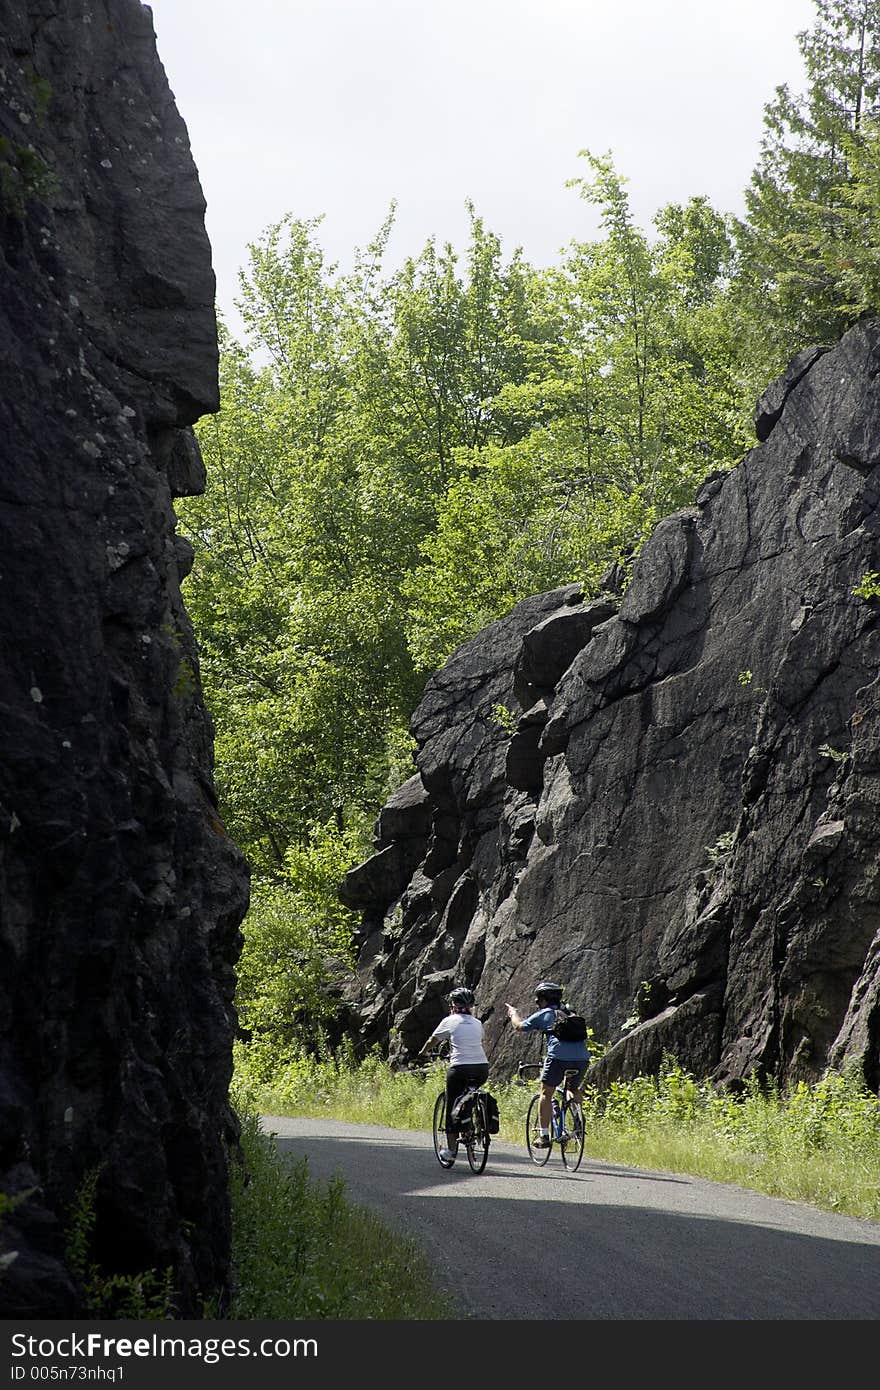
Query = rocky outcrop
x=120 y=894
x=683 y=811
x=452 y=841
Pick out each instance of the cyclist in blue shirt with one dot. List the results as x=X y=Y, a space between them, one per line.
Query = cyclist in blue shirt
x=560 y=1056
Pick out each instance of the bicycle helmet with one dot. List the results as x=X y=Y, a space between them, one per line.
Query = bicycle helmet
x=548 y=991
x=462 y=996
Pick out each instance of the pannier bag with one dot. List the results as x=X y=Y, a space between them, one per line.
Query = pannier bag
x=463 y=1108
x=462 y=1112
x=494 y=1117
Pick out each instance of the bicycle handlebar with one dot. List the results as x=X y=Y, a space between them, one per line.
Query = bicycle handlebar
x=523 y=1067
x=416 y=1064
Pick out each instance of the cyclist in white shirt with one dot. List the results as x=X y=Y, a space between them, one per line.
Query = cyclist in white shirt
x=468 y=1063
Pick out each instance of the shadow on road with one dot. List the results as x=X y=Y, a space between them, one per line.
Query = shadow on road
x=603 y=1243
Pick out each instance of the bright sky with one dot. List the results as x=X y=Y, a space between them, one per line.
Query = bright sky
x=337 y=107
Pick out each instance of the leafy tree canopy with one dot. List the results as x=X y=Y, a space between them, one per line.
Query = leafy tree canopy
x=403 y=454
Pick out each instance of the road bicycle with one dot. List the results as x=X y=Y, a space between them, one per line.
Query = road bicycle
x=566 y=1124
x=473 y=1134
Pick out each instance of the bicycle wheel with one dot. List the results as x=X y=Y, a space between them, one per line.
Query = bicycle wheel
x=477 y=1142
x=440 y=1130
x=533 y=1133
x=572 y=1144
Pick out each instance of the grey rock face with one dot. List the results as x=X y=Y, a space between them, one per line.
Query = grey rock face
x=452 y=840
x=120 y=894
x=692 y=801
x=770 y=406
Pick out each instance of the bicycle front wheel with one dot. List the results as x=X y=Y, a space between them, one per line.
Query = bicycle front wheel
x=572 y=1143
x=478 y=1141
x=440 y=1130
x=533 y=1134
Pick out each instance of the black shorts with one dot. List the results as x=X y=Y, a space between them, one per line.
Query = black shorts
x=459 y=1078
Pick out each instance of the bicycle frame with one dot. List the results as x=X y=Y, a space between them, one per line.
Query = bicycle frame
x=569 y=1141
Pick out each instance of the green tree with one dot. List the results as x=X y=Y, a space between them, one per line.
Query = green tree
x=297 y=940
x=795 y=285
x=342 y=425
x=628 y=400
x=342 y=418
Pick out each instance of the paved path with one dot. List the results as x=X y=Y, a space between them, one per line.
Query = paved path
x=604 y=1243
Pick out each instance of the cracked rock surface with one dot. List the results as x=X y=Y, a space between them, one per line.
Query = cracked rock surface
x=120 y=894
x=683 y=811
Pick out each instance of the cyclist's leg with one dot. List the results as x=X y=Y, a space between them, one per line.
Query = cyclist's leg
x=575 y=1095
x=456 y=1082
x=574 y=1084
x=545 y=1109
x=552 y=1073
x=476 y=1073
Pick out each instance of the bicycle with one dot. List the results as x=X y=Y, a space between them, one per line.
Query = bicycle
x=566 y=1125
x=474 y=1134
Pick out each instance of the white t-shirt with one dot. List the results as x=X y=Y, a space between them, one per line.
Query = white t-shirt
x=465 y=1034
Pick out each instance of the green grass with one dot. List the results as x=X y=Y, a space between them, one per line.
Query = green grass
x=302 y=1250
x=816 y=1144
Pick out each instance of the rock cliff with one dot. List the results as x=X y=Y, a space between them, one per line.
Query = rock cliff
x=676 y=816
x=120 y=894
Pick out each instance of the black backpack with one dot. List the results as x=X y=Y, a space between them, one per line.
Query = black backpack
x=569 y=1026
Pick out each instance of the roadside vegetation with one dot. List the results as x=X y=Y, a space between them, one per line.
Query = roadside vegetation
x=302 y=1250
x=817 y=1144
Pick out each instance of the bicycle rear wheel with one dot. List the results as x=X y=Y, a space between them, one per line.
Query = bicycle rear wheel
x=477 y=1142
x=533 y=1134
x=572 y=1145
x=440 y=1130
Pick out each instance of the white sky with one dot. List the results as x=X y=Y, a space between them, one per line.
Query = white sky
x=339 y=106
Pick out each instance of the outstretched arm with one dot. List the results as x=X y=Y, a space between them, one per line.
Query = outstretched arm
x=513 y=1015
